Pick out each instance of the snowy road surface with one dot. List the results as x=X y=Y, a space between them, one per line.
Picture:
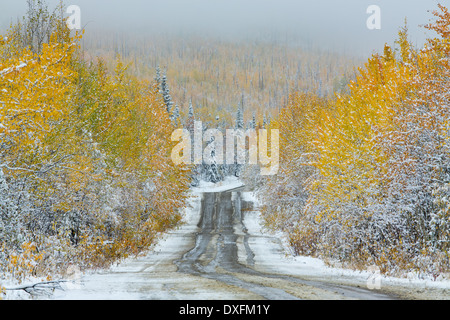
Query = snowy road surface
x=221 y=253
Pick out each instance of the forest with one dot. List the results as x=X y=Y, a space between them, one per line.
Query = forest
x=84 y=176
x=364 y=175
x=86 y=119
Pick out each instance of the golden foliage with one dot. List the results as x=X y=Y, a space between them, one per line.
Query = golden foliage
x=86 y=153
x=364 y=176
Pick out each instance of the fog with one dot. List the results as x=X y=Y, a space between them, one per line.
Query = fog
x=338 y=25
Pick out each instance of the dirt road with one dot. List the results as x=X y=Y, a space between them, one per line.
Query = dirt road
x=220 y=254
x=215 y=257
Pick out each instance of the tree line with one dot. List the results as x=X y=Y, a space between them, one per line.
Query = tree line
x=364 y=176
x=85 y=170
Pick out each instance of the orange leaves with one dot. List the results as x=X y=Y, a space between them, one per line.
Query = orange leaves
x=442 y=25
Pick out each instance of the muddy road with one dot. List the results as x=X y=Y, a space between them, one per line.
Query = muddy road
x=221 y=253
x=215 y=256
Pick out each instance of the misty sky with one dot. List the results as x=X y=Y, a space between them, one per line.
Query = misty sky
x=331 y=24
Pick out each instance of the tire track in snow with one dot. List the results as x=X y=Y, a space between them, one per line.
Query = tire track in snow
x=215 y=256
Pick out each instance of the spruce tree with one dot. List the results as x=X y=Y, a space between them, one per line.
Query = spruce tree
x=253 y=122
x=165 y=91
x=190 y=120
x=176 y=115
x=191 y=110
x=236 y=167
x=239 y=119
x=212 y=173
x=158 y=77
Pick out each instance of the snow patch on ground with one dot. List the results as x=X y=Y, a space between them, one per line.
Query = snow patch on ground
x=274 y=254
x=228 y=184
x=250 y=197
x=153 y=275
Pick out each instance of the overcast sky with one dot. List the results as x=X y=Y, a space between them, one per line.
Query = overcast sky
x=333 y=24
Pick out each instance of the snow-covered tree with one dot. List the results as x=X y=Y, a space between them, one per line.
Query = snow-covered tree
x=191 y=110
x=158 y=78
x=265 y=122
x=165 y=91
x=10 y=224
x=211 y=171
x=253 y=122
x=364 y=177
x=239 y=124
x=176 y=116
x=78 y=182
